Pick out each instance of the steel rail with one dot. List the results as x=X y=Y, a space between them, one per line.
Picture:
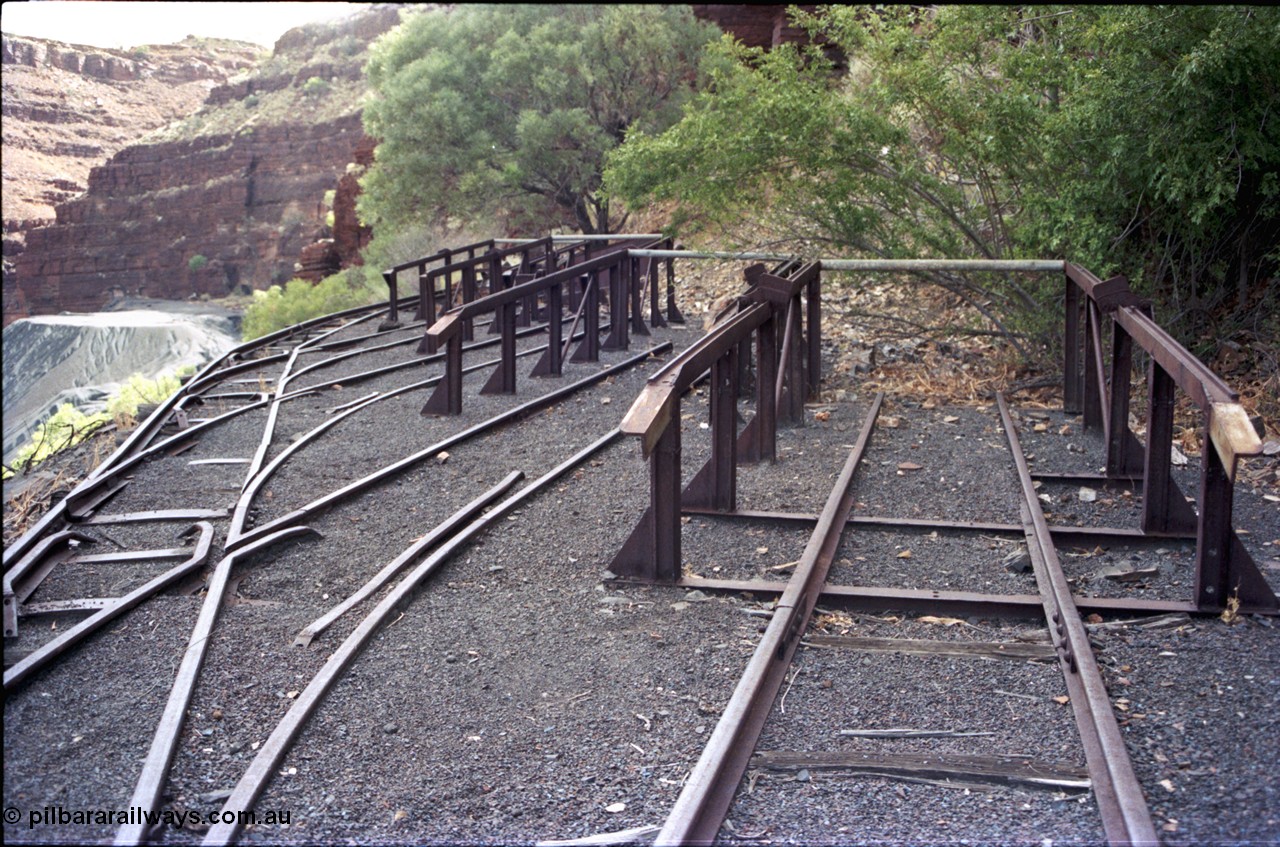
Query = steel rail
x=146 y=431
x=273 y=750
x=38 y=658
x=17 y=572
x=513 y=414
x=257 y=480
x=1125 y=816
x=89 y=487
x=708 y=792
x=158 y=515
x=155 y=770
x=443 y=530
x=356 y=339
x=938 y=600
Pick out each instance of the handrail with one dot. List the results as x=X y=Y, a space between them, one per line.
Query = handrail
x=650 y=414
x=450 y=323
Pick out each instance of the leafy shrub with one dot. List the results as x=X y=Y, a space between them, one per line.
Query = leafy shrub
x=299 y=300
x=251 y=101
x=315 y=87
x=196 y=262
x=69 y=426
x=66 y=428
x=123 y=406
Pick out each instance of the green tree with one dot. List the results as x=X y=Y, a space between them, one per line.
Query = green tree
x=1126 y=138
x=488 y=110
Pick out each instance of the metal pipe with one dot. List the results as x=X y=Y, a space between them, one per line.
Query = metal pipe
x=1024 y=265
x=617 y=236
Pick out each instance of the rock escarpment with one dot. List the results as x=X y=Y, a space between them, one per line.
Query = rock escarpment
x=223 y=200
x=69 y=107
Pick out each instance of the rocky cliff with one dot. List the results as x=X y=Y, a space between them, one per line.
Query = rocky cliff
x=68 y=107
x=222 y=200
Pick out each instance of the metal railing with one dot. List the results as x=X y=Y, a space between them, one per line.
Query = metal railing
x=1098 y=386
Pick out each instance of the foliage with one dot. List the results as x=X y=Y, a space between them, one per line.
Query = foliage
x=1093 y=133
x=299 y=300
x=196 y=262
x=69 y=426
x=66 y=428
x=481 y=110
x=316 y=87
x=137 y=390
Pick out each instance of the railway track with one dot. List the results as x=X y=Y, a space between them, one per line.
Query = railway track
x=291 y=591
x=709 y=793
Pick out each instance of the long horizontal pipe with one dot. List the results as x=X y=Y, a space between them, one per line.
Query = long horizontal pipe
x=1026 y=265
x=564 y=238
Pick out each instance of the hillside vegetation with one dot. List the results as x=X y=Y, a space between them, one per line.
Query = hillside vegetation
x=1134 y=140
x=1138 y=140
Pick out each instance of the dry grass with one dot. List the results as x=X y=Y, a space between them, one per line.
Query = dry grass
x=22 y=511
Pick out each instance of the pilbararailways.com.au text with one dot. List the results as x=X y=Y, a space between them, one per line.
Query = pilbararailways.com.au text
x=59 y=816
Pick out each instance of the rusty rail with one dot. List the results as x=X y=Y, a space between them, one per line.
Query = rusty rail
x=1125 y=817
x=268 y=758
x=38 y=658
x=704 y=801
x=155 y=769
x=516 y=413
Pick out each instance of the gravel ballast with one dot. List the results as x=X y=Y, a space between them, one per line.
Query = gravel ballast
x=522 y=695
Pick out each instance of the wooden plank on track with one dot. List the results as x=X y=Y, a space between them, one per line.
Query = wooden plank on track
x=1002 y=769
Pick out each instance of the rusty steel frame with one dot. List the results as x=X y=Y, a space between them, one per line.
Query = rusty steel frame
x=1224 y=568
x=652 y=551
x=451 y=329
x=491 y=263
x=444 y=254
x=1125 y=816
x=708 y=792
x=155 y=769
x=37 y=659
x=273 y=750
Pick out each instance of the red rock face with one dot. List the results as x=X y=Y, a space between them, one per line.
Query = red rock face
x=349 y=235
x=754 y=26
x=193 y=217
x=228 y=208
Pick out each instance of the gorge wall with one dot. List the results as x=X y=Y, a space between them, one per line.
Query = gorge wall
x=223 y=200
x=69 y=107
